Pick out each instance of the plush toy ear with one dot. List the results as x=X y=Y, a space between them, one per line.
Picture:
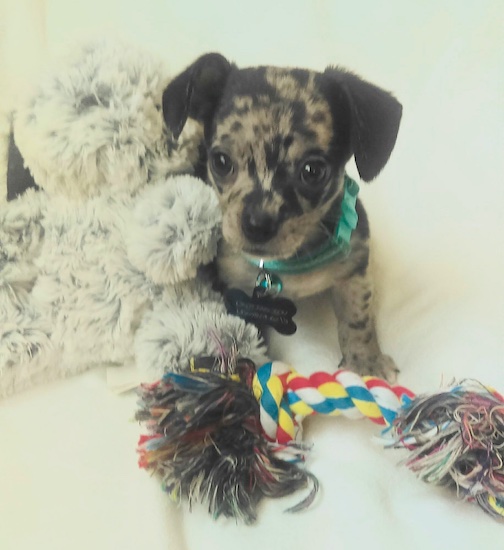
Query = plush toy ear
x=374 y=119
x=196 y=92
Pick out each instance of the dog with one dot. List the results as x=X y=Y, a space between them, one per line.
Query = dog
x=275 y=145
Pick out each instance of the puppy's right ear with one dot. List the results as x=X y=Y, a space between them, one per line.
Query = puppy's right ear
x=196 y=92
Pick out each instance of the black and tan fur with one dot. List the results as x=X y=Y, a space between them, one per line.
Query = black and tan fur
x=276 y=142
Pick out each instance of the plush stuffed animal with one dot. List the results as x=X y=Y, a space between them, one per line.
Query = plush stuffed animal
x=101 y=265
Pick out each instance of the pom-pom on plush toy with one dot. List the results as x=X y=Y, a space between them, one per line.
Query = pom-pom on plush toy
x=456 y=436
x=102 y=264
x=94 y=124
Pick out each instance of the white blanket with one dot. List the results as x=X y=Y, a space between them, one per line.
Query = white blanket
x=68 y=474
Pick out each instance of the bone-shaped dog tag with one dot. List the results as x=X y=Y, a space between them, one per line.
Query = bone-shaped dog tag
x=264 y=307
x=264 y=310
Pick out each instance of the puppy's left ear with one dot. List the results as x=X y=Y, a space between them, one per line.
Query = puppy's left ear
x=374 y=117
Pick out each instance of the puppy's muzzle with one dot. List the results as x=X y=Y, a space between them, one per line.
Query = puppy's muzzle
x=258 y=226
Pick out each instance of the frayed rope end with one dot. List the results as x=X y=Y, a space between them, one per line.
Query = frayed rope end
x=206 y=443
x=456 y=438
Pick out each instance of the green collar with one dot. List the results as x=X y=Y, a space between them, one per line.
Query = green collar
x=336 y=248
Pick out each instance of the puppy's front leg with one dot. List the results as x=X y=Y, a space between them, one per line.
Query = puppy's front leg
x=356 y=329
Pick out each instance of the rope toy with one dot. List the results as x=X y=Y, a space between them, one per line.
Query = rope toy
x=286 y=397
x=231 y=439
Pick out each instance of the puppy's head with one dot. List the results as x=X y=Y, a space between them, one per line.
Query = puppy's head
x=277 y=141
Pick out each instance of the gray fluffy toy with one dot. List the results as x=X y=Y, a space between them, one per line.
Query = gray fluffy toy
x=101 y=264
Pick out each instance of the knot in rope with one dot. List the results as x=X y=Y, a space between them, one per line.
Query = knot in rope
x=286 y=397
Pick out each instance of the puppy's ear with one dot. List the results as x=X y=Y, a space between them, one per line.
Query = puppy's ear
x=374 y=117
x=196 y=92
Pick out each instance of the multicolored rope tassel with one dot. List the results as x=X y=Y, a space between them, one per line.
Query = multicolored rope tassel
x=205 y=442
x=456 y=438
x=230 y=442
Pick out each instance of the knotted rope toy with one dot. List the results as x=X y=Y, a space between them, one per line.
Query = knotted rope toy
x=231 y=439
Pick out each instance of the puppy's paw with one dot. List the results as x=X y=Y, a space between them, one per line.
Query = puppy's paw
x=381 y=366
x=386 y=368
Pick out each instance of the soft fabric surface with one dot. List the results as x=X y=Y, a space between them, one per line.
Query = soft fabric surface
x=68 y=467
x=88 y=265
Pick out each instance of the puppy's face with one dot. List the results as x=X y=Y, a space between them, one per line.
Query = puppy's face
x=275 y=158
x=277 y=141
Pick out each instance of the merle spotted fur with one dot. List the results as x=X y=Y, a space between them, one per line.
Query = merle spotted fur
x=276 y=142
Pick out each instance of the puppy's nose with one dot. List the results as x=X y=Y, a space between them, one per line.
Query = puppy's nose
x=258 y=226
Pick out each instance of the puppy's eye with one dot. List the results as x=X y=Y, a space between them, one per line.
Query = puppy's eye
x=313 y=172
x=221 y=164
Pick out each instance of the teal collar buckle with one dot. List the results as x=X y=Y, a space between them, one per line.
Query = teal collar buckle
x=336 y=248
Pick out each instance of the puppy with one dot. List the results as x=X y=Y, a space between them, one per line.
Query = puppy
x=276 y=142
